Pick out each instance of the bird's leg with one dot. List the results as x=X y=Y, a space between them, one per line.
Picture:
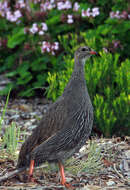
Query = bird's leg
x=63 y=180
x=31 y=171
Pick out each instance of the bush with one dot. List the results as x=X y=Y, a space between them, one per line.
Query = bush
x=107 y=81
x=29 y=32
x=37 y=44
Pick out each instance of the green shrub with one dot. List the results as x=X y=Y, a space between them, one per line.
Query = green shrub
x=21 y=57
x=4 y=110
x=11 y=135
x=107 y=81
x=11 y=139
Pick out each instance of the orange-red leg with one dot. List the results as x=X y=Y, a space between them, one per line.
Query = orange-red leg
x=63 y=180
x=31 y=171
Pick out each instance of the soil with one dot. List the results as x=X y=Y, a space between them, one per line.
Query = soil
x=90 y=169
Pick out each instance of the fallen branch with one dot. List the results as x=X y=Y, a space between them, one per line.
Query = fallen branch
x=120 y=175
x=12 y=174
x=19 y=170
x=52 y=187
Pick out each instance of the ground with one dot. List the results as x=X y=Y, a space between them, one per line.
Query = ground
x=102 y=164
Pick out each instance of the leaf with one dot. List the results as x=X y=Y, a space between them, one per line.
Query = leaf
x=25 y=78
x=39 y=64
x=107 y=163
x=11 y=74
x=53 y=20
x=16 y=39
x=104 y=29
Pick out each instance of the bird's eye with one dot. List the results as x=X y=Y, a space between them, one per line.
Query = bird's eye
x=83 y=49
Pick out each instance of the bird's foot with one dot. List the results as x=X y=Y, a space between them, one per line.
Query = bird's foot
x=68 y=186
x=31 y=179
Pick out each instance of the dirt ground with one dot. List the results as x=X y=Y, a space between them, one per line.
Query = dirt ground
x=102 y=164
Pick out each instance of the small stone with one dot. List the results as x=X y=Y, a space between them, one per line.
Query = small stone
x=69 y=179
x=25 y=108
x=45 y=108
x=14 y=117
x=33 y=113
x=30 y=128
x=110 y=183
x=25 y=116
x=82 y=149
x=91 y=187
x=127 y=154
x=27 y=124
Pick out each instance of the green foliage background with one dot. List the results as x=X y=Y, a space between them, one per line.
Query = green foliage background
x=107 y=78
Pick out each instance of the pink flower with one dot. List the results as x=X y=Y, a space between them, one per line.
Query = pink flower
x=44 y=26
x=10 y=17
x=112 y=14
x=34 y=28
x=50 y=48
x=60 y=5
x=20 y=4
x=45 y=46
x=118 y=15
x=55 y=46
x=13 y=17
x=64 y=5
x=17 y=14
x=124 y=15
x=105 y=50
x=68 y=5
x=95 y=12
x=70 y=19
x=47 y=5
x=40 y=32
x=83 y=13
x=52 y=1
x=76 y=6
x=87 y=13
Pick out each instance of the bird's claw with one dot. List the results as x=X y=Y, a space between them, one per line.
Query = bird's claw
x=68 y=186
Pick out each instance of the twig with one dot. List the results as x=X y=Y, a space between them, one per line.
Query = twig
x=11 y=174
x=120 y=175
x=19 y=170
x=50 y=187
x=111 y=146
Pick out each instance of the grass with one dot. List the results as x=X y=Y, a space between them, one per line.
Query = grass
x=4 y=110
x=10 y=139
x=92 y=164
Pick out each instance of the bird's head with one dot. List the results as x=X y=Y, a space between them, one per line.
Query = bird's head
x=83 y=53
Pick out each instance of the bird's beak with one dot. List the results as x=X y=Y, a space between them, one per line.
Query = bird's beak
x=93 y=52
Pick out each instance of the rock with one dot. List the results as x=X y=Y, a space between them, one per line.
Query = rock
x=31 y=127
x=69 y=179
x=110 y=183
x=127 y=154
x=15 y=117
x=90 y=187
x=27 y=124
x=4 y=81
x=25 y=108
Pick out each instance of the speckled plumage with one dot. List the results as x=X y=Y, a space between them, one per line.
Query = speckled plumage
x=66 y=125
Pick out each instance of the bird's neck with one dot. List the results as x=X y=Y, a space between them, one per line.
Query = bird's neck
x=77 y=84
x=78 y=72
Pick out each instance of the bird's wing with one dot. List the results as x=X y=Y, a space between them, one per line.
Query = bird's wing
x=65 y=139
x=50 y=124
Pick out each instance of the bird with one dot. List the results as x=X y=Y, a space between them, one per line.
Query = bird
x=66 y=125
